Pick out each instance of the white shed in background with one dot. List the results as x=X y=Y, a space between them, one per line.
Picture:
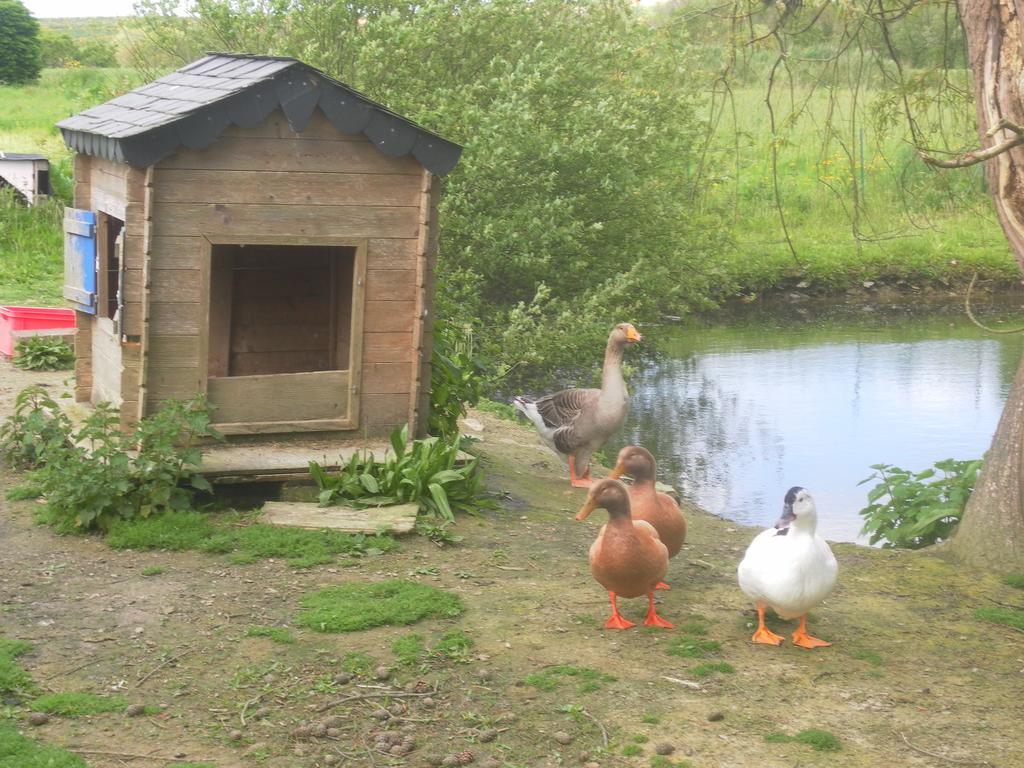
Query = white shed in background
x=28 y=174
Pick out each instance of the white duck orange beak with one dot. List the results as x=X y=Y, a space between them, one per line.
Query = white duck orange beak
x=633 y=335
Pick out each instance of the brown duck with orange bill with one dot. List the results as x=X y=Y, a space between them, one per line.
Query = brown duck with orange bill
x=646 y=503
x=627 y=558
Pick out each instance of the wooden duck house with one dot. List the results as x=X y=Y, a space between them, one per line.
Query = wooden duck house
x=252 y=229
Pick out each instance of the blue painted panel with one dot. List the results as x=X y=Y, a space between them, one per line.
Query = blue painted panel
x=80 y=259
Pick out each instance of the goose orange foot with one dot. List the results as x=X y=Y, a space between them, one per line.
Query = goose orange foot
x=616 y=621
x=804 y=640
x=764 y=635
x=662 y=585
x=653 y=619
x=583 y=481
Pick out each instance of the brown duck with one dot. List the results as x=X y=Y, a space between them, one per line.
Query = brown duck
x=576 y=422
x=627 y=558
x=646 y=503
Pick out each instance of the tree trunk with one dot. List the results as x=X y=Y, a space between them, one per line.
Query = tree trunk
x=992 y=532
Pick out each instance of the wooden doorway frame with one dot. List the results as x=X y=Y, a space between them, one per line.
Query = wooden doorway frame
x=351 y=421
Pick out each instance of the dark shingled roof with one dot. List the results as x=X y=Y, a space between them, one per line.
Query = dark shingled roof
x=193 y=106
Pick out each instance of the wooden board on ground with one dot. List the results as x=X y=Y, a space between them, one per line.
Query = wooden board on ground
x=399 y=518
x=268 y=462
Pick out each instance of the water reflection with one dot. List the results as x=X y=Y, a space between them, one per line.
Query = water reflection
x=737 y=416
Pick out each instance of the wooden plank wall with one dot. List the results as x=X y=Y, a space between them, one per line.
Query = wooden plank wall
x=105 y=368
x=269 y=185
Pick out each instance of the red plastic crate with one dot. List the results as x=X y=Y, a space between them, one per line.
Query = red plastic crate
x=30 y=319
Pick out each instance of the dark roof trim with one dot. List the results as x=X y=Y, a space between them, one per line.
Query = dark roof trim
x=193 y=106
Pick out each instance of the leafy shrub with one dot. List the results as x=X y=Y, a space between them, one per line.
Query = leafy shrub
x=423 y=472
x=44 y=353
x=456 y=379
x=908 y=512
x=38 y=426
x=95 y=474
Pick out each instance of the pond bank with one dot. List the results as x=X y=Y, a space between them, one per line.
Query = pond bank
x=911 y=674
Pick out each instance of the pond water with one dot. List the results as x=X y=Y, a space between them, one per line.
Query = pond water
x=736 y=415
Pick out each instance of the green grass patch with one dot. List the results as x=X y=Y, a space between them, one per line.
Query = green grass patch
x=650 y=719
x=869 y=656
x=228 y=533
x=1014 y=580
x=660 y=761
x=454 y=645
x=409 y=649
x=78 y=704
x=279 y=635
x=640 y=739
x=1010 y=617
x=501 y=410
x=548 y=679
x=153 y=570
x=350 y=607
x=357 y=663
x=17 y=751
x=632 y=750
x=14 y=680
x=708 y=668
x=816 y=738
x=693 y=647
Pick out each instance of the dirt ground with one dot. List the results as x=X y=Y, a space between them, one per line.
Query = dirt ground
x=911 y=680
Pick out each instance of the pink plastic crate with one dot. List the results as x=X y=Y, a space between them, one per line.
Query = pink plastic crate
x=30 y=319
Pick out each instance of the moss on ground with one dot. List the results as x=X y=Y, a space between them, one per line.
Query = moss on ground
x=350 y=607
x=17 y=751
x=77 y=704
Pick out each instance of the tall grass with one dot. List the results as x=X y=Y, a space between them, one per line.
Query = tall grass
x=31 y=241
x=858 y=202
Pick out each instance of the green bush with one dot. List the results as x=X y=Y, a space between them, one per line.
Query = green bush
x=456 y=379
x=422 y=472
x=906 y=511
x=20 y=60
x=44 y=353
x=94 y=474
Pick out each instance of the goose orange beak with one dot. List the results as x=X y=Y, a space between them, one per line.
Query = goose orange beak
x=586 y=509
x=632 y=335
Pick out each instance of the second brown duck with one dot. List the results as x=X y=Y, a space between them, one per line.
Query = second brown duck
x=647 y=503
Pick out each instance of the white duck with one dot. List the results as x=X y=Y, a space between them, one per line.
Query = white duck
x=576 y=422
x=790 y=569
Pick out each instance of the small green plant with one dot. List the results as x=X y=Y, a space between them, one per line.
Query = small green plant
x=36 y=427
x=14 y=680
x=456 y=379
x=708 y=668
x=44 y=353
x=279 y=635
x=153 y=570
x=1010 y=617
x=550 y=678
x=632 y=750
x=640 y=739
x=421 y=472
x=350 y=607
x=906 y=511
x=650 y=719
x=95 y=474
x=78 y=704
x=18 y=751
x=816 y=738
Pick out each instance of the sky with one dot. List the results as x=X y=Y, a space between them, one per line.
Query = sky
x=50 y=9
